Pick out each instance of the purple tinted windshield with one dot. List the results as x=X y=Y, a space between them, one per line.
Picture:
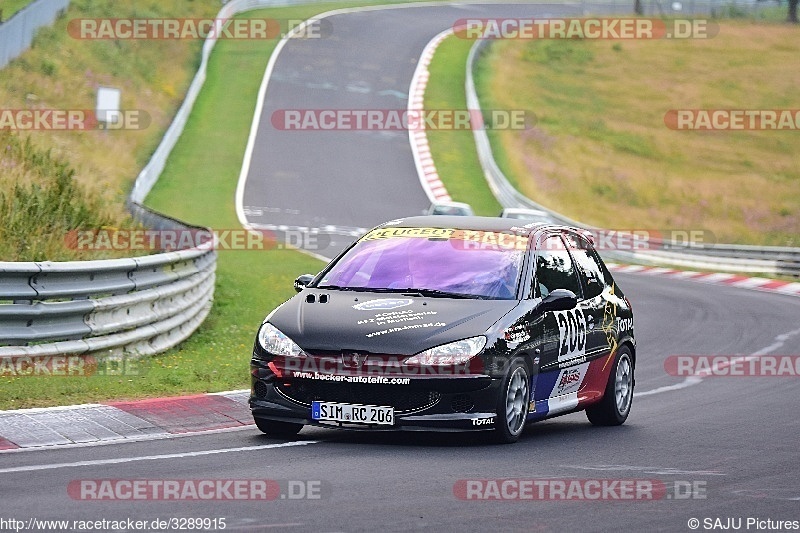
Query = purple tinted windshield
x=442 y=264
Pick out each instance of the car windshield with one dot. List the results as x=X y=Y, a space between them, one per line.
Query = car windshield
x=450 y=262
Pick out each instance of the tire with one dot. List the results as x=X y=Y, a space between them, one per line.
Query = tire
x=277 y=429
x=613 y=409
x=512 y=403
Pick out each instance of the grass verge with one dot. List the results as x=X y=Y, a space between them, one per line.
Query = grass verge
x=61 y=73
x=43 y=204
x=601 y=152
x=611 y=161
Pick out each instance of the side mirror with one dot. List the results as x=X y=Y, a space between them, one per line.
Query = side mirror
x=302 y=281
x=559 y=300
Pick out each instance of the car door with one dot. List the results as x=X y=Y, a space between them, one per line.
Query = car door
x=595 y=299
x=563 y=358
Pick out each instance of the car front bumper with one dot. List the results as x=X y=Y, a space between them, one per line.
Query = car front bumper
x=453 y=403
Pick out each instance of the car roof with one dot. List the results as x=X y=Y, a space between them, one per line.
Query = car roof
x=476 y=223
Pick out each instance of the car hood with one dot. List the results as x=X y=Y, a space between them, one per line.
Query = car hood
x=324 y=321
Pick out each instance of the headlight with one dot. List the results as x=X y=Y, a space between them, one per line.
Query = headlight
x=275 y=342
x=454 y=353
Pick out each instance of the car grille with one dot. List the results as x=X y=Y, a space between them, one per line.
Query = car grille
x=462 y=403
x=403 y=399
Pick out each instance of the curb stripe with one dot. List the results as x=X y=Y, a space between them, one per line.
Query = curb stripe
x=187 y=414
x=419 y=139
x=715 y=278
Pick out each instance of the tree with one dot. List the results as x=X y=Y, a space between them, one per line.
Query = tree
x=792 y=11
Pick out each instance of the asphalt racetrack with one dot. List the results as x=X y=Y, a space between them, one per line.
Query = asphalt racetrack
x=341 y=182
x=733 y=438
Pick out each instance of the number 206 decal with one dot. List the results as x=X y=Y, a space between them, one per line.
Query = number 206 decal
x=571 y=334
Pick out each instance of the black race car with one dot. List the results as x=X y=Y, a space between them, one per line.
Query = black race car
x=442 y=323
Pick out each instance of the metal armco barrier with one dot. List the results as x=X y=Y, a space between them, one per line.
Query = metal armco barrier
x=118 y=307
x=718 y=257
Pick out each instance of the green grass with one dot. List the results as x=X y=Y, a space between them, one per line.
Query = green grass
x=601 y=152
x=8 y=8
x=43 y=204
x=453 y=151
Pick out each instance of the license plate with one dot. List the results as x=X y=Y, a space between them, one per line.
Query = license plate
x=352 y=413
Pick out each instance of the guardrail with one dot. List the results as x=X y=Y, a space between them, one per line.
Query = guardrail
x=723 y=257
x=110 y=308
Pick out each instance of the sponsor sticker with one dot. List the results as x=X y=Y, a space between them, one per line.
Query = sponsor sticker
x=425 y=233
x=383 y=303
x=461 y=239
x=517 y=334
x=570 y=379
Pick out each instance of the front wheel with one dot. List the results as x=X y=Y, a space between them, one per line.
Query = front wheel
x=274 y=428
x=613 y=409
x=512 y=403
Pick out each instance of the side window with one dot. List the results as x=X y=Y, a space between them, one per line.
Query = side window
x=554 y=268
x=606 y=274
x=591 y=273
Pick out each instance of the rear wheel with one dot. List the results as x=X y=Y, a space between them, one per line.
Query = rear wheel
x=613 y=409
x=274 y=428
x=512 y=403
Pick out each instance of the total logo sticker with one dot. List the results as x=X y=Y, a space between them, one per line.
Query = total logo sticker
x=383 y=304
x=624 y=324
